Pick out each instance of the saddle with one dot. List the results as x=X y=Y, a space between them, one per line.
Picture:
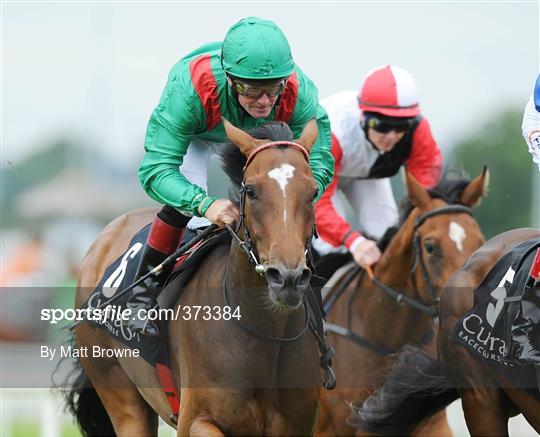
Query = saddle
x=503 y=326
x=154 y=350
x=121 y=273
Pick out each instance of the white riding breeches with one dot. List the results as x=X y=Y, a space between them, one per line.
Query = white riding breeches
x=374 y=204
x=195 y=169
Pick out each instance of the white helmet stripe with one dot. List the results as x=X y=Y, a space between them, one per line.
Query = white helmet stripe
x=407 y=93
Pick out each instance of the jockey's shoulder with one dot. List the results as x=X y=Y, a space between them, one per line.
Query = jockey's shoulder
x=183 y=67
x=342 y=108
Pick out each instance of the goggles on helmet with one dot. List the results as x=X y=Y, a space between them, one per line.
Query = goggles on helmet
x=386 y=125
x=257 y=90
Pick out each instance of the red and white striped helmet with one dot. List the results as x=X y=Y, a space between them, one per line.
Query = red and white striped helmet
x=389 y=91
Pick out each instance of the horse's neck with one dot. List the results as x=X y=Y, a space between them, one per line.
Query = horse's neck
x=249 y=290
x=394 y=267
x=381 y=317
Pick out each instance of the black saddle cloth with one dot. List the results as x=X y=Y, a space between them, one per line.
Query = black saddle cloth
x=120 y=274
x=502 y=328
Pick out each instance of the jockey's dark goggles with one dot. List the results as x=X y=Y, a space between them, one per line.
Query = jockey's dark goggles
x=386 y=125
x=256 y=91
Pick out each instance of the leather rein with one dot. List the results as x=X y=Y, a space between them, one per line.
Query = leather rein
x=399 y=297
x=314 y=315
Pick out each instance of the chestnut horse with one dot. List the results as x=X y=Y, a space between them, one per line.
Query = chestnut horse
x=257 y=376
x=419 y=385
x=433 y=240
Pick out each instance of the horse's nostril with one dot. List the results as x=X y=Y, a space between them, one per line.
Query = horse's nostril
x=303 y=277
x=273 y=276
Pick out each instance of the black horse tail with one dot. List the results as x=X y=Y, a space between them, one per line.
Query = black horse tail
x=83 y=402
x=414 y=390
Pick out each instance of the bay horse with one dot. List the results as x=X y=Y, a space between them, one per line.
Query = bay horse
x=260 y=376
x=420 y=385
x=436 y=234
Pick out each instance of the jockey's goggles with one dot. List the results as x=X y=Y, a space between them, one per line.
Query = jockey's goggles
x=386 y=125
x=255 y=91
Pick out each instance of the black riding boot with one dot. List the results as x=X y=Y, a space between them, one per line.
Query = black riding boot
x=163 y=240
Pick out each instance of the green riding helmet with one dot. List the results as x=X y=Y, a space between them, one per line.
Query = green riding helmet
x=256 y=49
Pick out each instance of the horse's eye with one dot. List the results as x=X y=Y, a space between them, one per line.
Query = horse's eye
x=250 y=192
x=315 y=194
x=430 y=247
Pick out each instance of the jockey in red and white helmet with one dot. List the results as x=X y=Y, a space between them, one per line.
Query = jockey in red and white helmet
x=374 y=133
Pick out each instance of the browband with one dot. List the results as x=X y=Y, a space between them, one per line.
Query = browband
x=276 y=144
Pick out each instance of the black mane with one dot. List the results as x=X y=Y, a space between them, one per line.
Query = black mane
x=448 y=189
x=233 y=161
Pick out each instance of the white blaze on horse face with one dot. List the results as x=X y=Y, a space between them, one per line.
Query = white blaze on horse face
x=282 y=175
x=457 y=235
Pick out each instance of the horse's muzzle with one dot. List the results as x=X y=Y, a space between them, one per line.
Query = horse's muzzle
x=287 y=286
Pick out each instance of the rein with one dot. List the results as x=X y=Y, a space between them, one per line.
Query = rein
x=400 y=298
x=314 y=315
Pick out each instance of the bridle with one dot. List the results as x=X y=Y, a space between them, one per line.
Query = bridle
x=419 y=259
x=312 y=306
x=399 y=297
x=246 y=244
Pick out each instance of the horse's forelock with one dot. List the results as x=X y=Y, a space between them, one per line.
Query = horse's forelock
x=233 y=160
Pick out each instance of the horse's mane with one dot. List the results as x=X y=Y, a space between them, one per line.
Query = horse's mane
x=448 y=189
x=233 y=160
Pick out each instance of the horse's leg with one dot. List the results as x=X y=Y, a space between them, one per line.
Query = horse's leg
x=191 y=421
x=128 y=411
x=436 y=425
x=204 y=426
x=485 y=411
x=525 y=404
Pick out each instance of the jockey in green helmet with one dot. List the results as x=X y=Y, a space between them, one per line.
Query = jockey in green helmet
x=249 y=79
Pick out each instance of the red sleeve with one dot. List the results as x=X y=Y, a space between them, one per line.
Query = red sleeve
x=425 y=160
x=331 y=227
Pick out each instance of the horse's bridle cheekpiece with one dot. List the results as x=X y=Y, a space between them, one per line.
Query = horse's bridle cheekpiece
x=313 y=312
x=430 y=310
x=399 y=297
x=246 y=244
x=450 y=209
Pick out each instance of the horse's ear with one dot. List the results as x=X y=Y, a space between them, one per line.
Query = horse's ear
x=245 y=142
x=477 y=188
x=417 y=193
x=309 y=135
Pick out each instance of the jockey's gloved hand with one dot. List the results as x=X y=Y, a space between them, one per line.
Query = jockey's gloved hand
x=222 y=212
x=366 y=253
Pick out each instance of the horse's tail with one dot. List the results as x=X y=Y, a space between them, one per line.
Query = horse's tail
x=83 y=402
x=414 y=390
